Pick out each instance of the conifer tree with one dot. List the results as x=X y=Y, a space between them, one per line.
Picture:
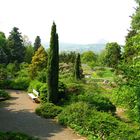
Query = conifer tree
x=37 y=43
x=53 y=66
x=77 y=68
x=15 y=43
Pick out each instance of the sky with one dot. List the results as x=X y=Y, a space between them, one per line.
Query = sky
x=78 y=21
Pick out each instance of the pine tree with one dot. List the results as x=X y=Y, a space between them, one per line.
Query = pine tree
x=15 y=43
x=53 y=66
x=77 y=68
x=37 y=43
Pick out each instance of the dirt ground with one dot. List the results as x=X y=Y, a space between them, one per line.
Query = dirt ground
x=17 y=114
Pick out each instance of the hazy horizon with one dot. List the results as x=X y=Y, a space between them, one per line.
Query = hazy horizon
x=78 y=22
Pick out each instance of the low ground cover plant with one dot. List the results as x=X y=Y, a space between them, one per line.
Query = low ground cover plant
x=15 y=136
x=95 y=124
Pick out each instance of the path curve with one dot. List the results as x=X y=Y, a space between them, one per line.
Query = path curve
x=17 y=114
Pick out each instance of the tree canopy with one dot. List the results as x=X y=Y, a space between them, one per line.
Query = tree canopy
x=112 y=54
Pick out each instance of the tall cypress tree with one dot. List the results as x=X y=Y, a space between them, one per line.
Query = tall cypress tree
x=37 y=43
x=77 y=68
x=53 y=66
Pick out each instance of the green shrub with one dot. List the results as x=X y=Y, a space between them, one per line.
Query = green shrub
x=4 y=94
x=42 y=76
x=21 y=83
x=98 y=101
x=74 y=87
x=6 y=84
x=48 y=110
x=74 y=114
x=35 y=85
x=44 y=93
x=3 y=72
x=61 y=90
x=15 y=136
x=23 y=72
x=95 y=124
x=128 y=97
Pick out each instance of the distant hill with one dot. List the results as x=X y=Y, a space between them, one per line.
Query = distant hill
x=97 y=48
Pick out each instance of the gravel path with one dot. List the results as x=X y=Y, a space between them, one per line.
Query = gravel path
x=17 y=114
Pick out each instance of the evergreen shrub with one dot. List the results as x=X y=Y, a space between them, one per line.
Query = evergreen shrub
x=48 y=110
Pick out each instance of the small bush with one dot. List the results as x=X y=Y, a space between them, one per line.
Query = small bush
x=15 y=136
x=48 y=110
x=4 y=95
x=74 y=114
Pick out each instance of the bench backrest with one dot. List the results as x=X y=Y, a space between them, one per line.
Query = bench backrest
x=35 y=92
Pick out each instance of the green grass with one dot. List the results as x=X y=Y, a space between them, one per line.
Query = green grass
x=106 y=73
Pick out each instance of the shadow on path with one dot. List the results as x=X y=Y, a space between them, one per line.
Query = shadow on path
x=17 y=114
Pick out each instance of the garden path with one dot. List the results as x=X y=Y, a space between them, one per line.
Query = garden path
x=18 y=115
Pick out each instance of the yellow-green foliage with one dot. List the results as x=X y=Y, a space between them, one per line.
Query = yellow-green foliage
x=39 y=61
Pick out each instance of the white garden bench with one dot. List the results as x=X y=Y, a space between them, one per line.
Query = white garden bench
x=34 y=96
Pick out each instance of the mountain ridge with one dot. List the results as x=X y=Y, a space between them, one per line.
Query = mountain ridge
x=68 y=47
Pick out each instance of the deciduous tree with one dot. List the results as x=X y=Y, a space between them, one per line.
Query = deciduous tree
x=112 y=54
